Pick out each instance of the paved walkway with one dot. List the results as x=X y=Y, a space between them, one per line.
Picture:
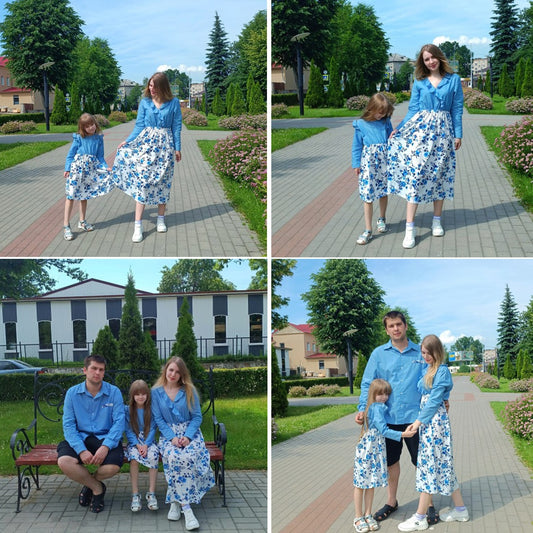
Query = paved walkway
x=55 y=509
x=316 y=210
x=312 y=475
x=201 y=222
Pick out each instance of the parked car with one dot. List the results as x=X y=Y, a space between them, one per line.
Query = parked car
x=13 y=366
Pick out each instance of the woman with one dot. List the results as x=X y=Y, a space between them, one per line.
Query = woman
x=178 y=415
x=421 y=149
x=144 y=164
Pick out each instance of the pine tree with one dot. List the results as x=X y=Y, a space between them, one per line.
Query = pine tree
x=59 y=114
x=519 y=76
x=315 y=91
x=505 y=83
x=508 y=329
x=238 y=106
x=527 y=367
x=218 y=107
x=361 y=365
x=504 y=34
x=280 y=403
x=257 y=103
x=519 y=364
x=527 y=85
x=107 y=346
x=75 y=105
x=487 y=81
x=334 y=95
x=217 y=69
x=508 y=368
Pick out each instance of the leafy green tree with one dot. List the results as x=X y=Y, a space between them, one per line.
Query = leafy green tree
x=257 y=103
x=334 y=96
x=134 y=97
x=403 y=77
x=280 y=268
x=36 y=32
x=75 y=104
x=315 y=92
x=179 y=83
x=508 y=329
x=459 y=53
x=469 y=344
x=238 y=106
x=218 y=107
x=527 y=85
x=217 y=68
x=280 y=403
x=342 y=297
x=107 y=346
x=505 y=83
x=504 y=34
x=193 y=275
x=59 y=114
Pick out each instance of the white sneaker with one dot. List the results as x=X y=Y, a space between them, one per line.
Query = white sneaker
x=413 y=524
x=451 y=515
x=137 y=233
x=174 y=512
x=161 y=226
x=436 y=228
x=190 y=520
x=409 y=239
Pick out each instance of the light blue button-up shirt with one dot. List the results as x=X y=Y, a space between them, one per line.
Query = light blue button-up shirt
x=448 y=96
x=167 y=116
x=130 y=434
x=440 y=391
x=90 y=145
x=402 y=370
x=377 y=418
x=367 y=133
x=101 y=415
x=167 y=412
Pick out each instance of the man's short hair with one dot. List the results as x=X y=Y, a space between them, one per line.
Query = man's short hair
x=393 y=315
x=94 y=358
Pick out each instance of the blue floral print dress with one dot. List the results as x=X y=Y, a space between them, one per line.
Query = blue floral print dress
x=144 y=166
x=370 y=463
x=435 y=473
x=132 y=453
x=84 y=161
x=421 y=155
x=369 y=153
x=187 y=470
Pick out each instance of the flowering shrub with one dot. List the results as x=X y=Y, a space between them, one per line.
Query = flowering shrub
x=118 y=116
x=477 y=100
x=102 y=121
x=274 y=430
x=242 y=122
x=520 y=105
x=279 y=110
x=14 y=126
x=516 y=143
x=521 y=385
x=194 y=118
x=518 y=417
x=297 y=391
x=331 y=390
x=316 y=390
x=390 y=97
x=357 y=102
x=484 y=380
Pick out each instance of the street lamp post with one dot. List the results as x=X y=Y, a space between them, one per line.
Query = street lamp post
x=298 y=39
x=348 y=334
x=44 y=68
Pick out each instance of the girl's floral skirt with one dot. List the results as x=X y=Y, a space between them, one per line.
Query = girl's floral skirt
x=152 y=457
x=187 y=470
x=84 y=182
x=373 y=176
x=435 y=473
x=144 y=167
x=421 y=158
x=370 y=463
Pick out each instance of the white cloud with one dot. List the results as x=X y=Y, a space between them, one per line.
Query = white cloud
x=181 y=68
x=446 y=337
x=462 y=40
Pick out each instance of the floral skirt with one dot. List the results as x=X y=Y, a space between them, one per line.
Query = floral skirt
x=373 y=176
x=370 y=463
x=152 y=457
x=187 y=470
x=421 y=158
x=435 y=473
x=84 y=182
x=144 y=167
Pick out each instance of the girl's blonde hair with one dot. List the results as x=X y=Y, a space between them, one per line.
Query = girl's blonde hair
x=85 y=120
x=140 y=386
x=435 y=348
x=378 y=104
x=184 y=381
x=377 y=387
x=421 y=71
x=162 y=85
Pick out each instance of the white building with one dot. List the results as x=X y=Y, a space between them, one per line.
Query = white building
x=62 y=324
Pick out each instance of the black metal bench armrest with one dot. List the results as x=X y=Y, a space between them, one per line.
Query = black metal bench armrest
x=20 y=441
x=220 y=435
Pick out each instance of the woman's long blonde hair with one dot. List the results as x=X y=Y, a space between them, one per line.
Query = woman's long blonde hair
x=185 y=380
x=162 y=85
x=140 y=386
x=377 y=387
x=435 y=348
x=421 y=71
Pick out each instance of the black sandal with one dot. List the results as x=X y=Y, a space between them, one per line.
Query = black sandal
x=97 y=504
x=85 y=496
x=432 y=516
x=385 y=512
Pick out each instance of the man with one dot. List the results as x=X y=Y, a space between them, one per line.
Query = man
x=93 y=424
x=400 y=363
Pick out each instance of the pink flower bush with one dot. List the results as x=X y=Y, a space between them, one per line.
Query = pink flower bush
x=520 y=105
x=243 y=122
x=357 y=102
x=516 y=144
x=477 y=100
x=191 y=117
x=519 y=416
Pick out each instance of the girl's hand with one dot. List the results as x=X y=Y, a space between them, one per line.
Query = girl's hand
x=66 y=174
x=178 y=156
x=143 y=449
x=393 y=133
x=357 y=172
x=184 y=441
x=176 y=442
x=359 y=418
x=121 y=145
x=457 y=143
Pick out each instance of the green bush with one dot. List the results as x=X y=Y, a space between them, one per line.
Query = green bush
x=118 y=116
x=464 y=369
x=23 y=117
x=236 y=382
x=279 y=110
x=297 y=392
x=285 y=98
x=309 y=382
x=316 y=390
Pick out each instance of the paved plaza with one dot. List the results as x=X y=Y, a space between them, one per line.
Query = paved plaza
x=312 y=475
x=201 y=222
x=317 y=212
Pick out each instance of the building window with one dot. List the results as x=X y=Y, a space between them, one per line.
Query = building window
x=283 y=368
x=308 y=347
x=256 y=328
x=45 y=335
x=321 y=364
x=220 y=329
x=314 y=348
x=150 y=325
x=79 y=334
x=11 y=335
x=114 y=326
x=16 y=100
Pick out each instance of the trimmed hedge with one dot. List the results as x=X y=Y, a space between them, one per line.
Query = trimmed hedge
x=22 y=117
x=285 y=98
x=310 y=382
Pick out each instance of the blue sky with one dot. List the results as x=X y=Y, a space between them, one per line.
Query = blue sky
x=147 y=272
x=447 y=297
x=148 y=36
x=409 y=24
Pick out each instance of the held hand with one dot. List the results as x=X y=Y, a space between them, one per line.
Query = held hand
x=86 y=457
x=393 y=133
x=100 y=455
x=447 y=405
x=457 y=144
x=359 y=418
x=178 y=156
x=121 y=145
x=175 y=442
x=357 y=172
x=66 y=174
x=183 y=442
x=143 y=449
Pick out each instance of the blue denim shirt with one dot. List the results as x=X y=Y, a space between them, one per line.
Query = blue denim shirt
x=90 y=145
x=440 y=391
x=167 y=116
x=377 y=418
x=448 y=96
x=131 y=436
x=167 y=412
x=367 y=133
x=402 y=370
x=101 y=415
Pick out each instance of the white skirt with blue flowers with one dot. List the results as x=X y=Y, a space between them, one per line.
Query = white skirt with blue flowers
x=370 y=464
x=84 y=182
x=152 y=457
x=373 y=176
x=144 y=167
x=421 y=158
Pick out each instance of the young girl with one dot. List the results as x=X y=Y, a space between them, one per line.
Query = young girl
x=370 y=465
x=85 y=172
x=435 y=473
x=141 y=446
x=369 y=159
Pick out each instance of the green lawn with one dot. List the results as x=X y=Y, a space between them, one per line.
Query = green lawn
x=284 y=137
x=13 y=154
x=321 y=112
x=212 y=124
x=498 y=107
